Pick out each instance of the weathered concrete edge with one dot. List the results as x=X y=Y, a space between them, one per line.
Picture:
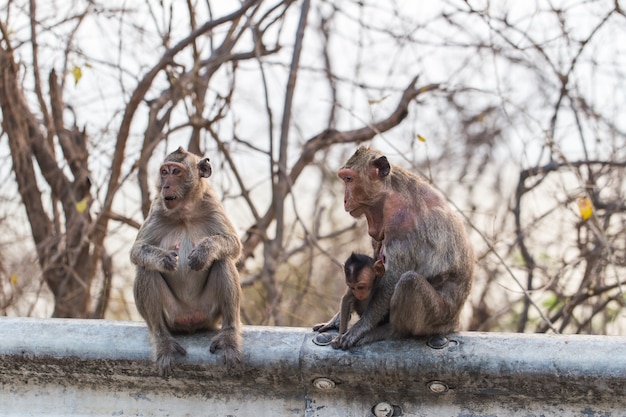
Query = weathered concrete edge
x=99 y=354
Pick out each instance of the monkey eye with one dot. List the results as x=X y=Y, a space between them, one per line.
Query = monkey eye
x=347 y=178
x=163 y=172
x=176 y=171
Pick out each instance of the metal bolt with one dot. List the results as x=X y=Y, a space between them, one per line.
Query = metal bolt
x=383 y=409
x=323 y=339
x=438 y=342
x=323 y=383
x=437 y=387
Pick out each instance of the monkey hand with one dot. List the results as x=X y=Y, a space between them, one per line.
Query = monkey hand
x=199 y=258
x=169 y=261
x=324 y=327
x=347 y=340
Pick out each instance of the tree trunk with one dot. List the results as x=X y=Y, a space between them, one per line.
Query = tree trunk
x=63 y=251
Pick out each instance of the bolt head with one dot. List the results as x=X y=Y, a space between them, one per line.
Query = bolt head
x=437 y=387
x=324 y=383
x=438 y=342
x=383 y=409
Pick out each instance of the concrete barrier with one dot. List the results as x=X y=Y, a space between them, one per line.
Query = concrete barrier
x=51 y=367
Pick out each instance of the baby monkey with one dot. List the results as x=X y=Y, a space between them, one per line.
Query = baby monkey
x=361 y=272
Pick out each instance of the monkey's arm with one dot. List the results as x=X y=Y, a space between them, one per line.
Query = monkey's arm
x=153 y=258
x=341 y=318
x=333 y=324
x=347 y=307
x=212 y=248
x=375 y=312
x=146 y=252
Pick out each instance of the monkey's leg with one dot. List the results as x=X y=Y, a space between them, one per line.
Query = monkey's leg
x=151 y=297
x=223 y=288
x=417 y=309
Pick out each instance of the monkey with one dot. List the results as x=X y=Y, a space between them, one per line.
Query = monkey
x=361 y=273
x=185 y=255
x=422 y=243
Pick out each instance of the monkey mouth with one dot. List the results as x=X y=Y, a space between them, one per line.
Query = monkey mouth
x=357 y=212
x=170 y=201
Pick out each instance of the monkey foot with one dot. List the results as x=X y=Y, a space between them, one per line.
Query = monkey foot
x=227 y=343
x=165 y=357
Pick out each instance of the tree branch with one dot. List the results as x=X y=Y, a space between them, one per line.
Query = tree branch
x=327 y=138
x=98 y=232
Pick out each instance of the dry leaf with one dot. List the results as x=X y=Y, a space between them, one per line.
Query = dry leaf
x=585 y=207
x=77 y=72
x=81 y=206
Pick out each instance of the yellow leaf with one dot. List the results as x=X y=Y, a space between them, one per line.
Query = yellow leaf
x=13 y=279
x=81 y=206
x=421 y=138
x=585 y=207
x=376 y=101
x=77 y=72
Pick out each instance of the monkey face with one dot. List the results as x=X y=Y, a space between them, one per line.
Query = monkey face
x=352 y=191
x=362 y=288
x=363 y=176
x=173 y=176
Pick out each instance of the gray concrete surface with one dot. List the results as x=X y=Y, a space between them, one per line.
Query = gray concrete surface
x=51 y=367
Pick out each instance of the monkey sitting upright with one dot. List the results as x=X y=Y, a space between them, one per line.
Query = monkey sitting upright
x=185 y=253
x=427 y=254
x=361 y=273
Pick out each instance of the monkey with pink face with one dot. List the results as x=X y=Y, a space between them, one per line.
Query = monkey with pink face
x=185 y=254
x=427 y=256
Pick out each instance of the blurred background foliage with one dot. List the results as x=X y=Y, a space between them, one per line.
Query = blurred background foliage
x=514 y=110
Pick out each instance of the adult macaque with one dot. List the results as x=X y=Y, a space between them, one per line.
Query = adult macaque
x=361 y=273
x=425 y=249
x=185 y=255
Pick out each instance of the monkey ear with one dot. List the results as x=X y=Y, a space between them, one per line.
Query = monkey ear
x=379 y=268
x=204 y=168
x=382 y=166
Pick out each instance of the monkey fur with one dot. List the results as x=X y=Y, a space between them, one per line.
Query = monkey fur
x=423 y=245
x=185 y=254
x=361 y=273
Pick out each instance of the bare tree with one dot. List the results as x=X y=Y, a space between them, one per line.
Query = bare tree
x=488 y=102
x=69 y=241
x=566 y=264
